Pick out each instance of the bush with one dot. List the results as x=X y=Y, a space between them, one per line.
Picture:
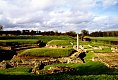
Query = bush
x=41 y=43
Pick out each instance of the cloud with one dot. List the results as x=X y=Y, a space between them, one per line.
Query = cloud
x=61 y=15
x=107 y=3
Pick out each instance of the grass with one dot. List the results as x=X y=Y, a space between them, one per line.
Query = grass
x=67 y=43
x=59 y=77
x=20 y=41
x=37 y=37
x=31 y=39
x=16 y=70
x=104 y=50
x=109 y=41
x=96 y=43
x=88 y=68
x=47 y=52
x=60 y=42
x=86 y=71
x=105 y=38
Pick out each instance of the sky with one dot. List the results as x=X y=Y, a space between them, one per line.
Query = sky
x=59 y=15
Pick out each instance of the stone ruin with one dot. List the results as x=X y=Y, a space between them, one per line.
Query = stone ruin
x=5 y=65
x=52 y=70
x=114 y=49
x=38 y=65
x=55 y=46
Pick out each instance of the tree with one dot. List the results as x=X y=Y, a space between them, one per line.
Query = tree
x=1 y=27
x=84 y=32
x=71 y=33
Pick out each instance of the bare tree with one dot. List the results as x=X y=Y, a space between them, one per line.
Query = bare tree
x=1 y=27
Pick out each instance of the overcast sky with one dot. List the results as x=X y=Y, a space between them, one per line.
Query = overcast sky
x=59 y=15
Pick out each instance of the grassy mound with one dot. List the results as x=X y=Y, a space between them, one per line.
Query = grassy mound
x=47 y=52
x=68 y=43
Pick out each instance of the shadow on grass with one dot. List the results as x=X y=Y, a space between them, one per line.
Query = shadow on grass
x=94 y=68
x=6 y=54
x=91 y=70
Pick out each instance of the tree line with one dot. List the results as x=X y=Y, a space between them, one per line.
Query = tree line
x=70 y=33
x=104 y=34
x=32 y=32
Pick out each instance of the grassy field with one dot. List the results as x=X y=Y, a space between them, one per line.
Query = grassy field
x=20 y=41
x=47 y=52
x=31 y=39
x=36 y=37
x=105 y=38
x=103 y=50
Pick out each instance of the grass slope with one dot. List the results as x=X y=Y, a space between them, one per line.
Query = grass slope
x=31 y=39
x=15 y=71
x=47 y=52
x=20 y=41
x=60 y=42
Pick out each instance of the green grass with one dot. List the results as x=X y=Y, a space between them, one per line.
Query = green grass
x=17 y=70
x=59 y=77
x=31 y=39
x=105 y=38
x=20 y=41
x=47 y=52
x=104 y=50
x=86 y=71
x=108 y=41
x=37 y=37
x=60 y=42
x=89 y=56
x=67 y=43
x=83 y=77
x=88 y=68
x=96 y=43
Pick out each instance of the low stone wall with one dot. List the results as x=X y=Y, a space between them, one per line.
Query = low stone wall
x=54 y=70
